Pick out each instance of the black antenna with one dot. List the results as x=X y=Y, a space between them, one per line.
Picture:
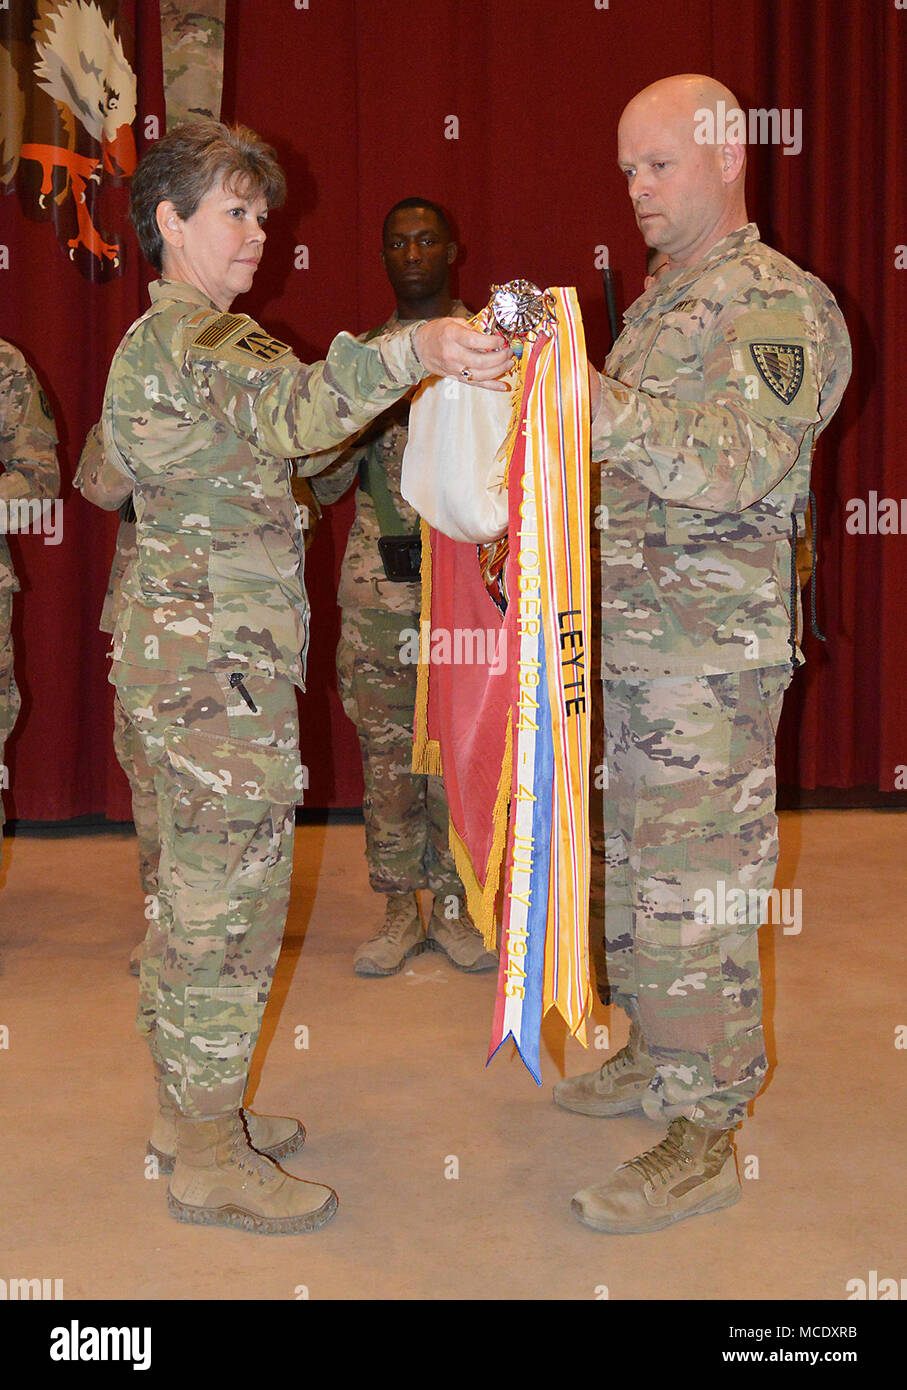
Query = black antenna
x=611 y=302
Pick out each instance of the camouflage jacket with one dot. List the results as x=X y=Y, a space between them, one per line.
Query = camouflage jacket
x=90 y=478
x=203 y=410
x=27 y=448
x=363 y=582
x=723 y=377
x=123 y=556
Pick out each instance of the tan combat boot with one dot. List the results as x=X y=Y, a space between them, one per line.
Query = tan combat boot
x=459 y=939
x=275 y=1136
x=616 y=1088
x=218 y=1180
x=401 y=936
x=693 y=1170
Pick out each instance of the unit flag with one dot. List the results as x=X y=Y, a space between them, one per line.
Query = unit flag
x=504 y=716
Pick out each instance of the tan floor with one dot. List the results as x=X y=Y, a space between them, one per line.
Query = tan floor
x=393 y=1083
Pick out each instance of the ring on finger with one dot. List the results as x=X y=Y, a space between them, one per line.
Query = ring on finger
x=466 y=374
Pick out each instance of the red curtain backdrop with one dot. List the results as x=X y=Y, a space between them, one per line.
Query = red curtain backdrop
x=68 y=324
x=362 y=99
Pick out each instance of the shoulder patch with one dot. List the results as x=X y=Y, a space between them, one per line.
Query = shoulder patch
x=45 y=406
x=218 y=331
x=781 y=367
x=261 y=345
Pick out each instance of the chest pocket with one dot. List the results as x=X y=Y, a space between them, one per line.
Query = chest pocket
x=673 y=363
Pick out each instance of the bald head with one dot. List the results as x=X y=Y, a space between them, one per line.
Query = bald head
x=681 y=98
x=686 y=186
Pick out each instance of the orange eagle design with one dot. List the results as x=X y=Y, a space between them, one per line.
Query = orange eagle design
x=68 y=104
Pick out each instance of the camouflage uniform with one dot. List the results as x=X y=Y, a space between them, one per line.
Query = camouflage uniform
x=751 y=356
x=192 y=53
x=30 y=473
x=203 y=411
x=126 y=741
x=406 y=817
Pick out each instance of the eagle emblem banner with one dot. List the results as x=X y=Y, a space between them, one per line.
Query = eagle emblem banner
x=71 y=110
x=69 y=106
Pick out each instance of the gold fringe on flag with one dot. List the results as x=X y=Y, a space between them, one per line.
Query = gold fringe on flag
x=426 y=751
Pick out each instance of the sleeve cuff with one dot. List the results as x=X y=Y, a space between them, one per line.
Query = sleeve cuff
x=399 y=355
x=600 y=431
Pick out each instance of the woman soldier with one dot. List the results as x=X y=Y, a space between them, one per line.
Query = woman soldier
x=202 y=411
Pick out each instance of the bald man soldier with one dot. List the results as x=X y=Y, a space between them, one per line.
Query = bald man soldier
x=729 y=366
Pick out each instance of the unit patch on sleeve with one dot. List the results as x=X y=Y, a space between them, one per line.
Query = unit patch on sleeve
x=261 y=345
x=780 y=366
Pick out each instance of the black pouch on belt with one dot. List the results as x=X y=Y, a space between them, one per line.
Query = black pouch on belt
x=402 y=556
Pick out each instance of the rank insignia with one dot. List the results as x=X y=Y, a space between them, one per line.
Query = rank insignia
x=261 y=345
x=781 y=367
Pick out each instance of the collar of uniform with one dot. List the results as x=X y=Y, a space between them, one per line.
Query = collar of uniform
x=458 y=310
x=178 y=289
x=664 y=293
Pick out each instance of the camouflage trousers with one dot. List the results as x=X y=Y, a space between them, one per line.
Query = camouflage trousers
x=689 y=813
x=10 y=700
x=406 y=817
x=227 y=782
x=127 y=745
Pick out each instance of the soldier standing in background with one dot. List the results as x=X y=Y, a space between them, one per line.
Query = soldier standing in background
x=406 y=816
x=30 y=474
x=729 y=366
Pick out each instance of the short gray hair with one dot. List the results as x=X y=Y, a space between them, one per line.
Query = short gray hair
x=187 y=163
